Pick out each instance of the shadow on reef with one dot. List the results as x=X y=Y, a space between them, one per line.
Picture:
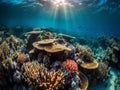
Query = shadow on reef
x=45 y=60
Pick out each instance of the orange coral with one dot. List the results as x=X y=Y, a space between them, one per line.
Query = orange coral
x=51 y=80
x=70 y=66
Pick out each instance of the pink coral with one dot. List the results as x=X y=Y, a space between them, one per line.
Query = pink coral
x=21 y=58
x=70 y=67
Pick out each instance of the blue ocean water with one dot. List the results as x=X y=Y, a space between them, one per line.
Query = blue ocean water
x=80 y=17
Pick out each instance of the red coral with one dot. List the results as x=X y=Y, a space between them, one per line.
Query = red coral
x=70 y=67
x=21 y=58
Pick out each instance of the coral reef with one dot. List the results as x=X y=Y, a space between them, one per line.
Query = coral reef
x=50 y=61
x=112 y=53
x=9 y=50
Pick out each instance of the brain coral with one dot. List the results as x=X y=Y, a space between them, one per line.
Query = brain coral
x=70 y=67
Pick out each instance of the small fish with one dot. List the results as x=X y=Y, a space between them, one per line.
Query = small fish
x=65 y=73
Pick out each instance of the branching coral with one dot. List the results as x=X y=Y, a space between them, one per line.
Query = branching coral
x=52 y=80
x=37 y=74
x=31 y=72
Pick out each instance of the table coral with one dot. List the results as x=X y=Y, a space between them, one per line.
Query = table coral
x=48 y=45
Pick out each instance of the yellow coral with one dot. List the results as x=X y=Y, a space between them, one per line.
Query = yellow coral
x=35 y=73
x=32 y=71
x=7 y=63
x=52 y=80
x=4 y=51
